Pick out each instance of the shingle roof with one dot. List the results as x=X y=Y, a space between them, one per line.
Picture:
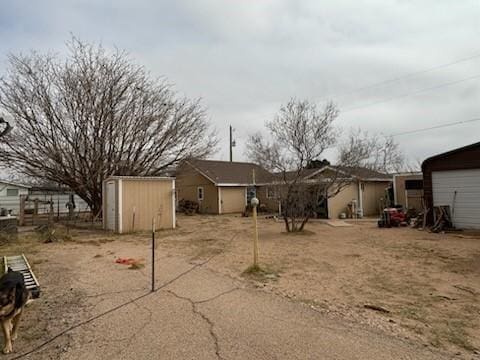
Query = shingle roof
x=364 y=173
x=358 y=172
x=225 y=172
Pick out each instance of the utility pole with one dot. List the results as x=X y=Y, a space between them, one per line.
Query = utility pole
x=232 y=143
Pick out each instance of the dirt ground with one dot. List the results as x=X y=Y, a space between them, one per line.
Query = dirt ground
x=426 y=286
x=429 y=283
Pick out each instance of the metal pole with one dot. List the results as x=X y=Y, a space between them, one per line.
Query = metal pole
x=231 y=140
x=255 y=237
x=153 y=254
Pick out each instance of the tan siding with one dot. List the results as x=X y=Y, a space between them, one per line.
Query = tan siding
x=372 y=193
x=415 y=200
x=187 y=182
x=271 y=204
x=400 y=190
x=338 y=203
x=232 y=199
x=150 y=199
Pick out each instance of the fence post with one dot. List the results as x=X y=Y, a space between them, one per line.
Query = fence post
x=35 y=212
x=21 y=215
x=153 y=254
x=50 y=214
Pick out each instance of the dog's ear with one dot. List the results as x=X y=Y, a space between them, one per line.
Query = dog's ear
x=9 y=269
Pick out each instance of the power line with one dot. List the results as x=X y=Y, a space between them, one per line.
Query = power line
x=436 y=127
x=413 y=93
x=402 y=77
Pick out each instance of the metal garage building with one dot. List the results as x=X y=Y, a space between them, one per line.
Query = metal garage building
x=130 y=203
x=453 y=178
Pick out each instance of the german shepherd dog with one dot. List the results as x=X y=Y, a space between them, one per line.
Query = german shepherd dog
x=13 y=297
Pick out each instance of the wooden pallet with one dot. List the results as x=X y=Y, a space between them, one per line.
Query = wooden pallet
x=20 y=263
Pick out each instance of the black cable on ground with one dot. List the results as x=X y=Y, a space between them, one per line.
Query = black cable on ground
x=118 y=307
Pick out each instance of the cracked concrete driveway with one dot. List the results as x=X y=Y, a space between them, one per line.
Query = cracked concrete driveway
x=197 y=313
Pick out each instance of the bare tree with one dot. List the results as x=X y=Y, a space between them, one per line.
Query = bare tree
x=379 y=153
x=94 y=114
x=6 y=127
x=300 y=133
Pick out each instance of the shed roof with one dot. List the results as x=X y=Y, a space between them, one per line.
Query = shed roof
x=231 y=173
x=139 y=178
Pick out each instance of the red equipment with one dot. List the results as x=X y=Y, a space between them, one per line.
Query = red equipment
x=392 y=217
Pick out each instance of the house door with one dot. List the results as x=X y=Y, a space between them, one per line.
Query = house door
x=233 y=199
x=111 y=205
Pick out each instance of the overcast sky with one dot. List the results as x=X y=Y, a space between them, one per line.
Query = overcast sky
x=246 y=58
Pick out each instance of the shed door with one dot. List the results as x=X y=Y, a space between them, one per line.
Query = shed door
x=233 y=199
x=111 y=205
x=460 y=189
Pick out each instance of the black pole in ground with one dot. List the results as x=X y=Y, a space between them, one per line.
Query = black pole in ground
x=153 y=254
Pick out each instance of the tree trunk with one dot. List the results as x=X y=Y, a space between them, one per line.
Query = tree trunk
x=304 y=222
x=287 y=225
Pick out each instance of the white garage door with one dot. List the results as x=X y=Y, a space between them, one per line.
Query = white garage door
x=461 y=190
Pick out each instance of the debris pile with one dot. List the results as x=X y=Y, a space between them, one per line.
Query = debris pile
x=443 y=219
x=188 y=207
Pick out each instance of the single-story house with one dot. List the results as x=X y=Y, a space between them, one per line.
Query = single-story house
x=453 y=178
x=364 y=187
x=10 y=193
x=219 y=187
x=408 y=190
x=222 y=187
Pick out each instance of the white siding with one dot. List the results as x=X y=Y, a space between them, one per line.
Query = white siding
x=60 y=200
x=59 y=203
x=11 y=202
x=110 y=204
x=466 y=207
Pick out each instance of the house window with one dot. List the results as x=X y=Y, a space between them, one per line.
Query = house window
x=200 y=193
x=413 y=184
x=271 y=193
x=12 y=192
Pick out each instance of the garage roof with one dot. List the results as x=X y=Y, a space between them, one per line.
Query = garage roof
x=475 y=146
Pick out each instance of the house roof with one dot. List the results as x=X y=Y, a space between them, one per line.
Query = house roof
x=365 y=174
x=14 y=184
x=231 y=173
x=357 y=172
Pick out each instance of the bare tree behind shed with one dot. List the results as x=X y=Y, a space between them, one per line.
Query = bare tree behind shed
x=95 y=113
x=300 y=133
